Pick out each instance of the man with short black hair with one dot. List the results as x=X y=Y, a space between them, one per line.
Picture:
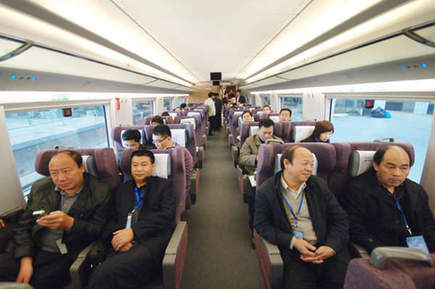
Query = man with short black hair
x=75 y=206
x=297 y=212
x=131 y=139
x=249 y=157
x=239 y=97
x=285 y=114
x=163 y=140
x=385 y=207
x=156 y=120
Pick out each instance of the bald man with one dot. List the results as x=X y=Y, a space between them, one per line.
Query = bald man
x=385 y=207
x=296 y=211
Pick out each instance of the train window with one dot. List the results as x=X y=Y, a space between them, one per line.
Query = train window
x=34 y=130
x=180 y=100
x=295 y=104
x=265 y=99
x=252 y=99
x=142 y=109
x=168 y=103
x=367 y=120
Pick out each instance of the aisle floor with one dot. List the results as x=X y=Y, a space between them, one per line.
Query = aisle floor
x=219 y=252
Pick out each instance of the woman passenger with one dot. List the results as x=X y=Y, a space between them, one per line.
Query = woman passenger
x=140 y=228
x=322 y=132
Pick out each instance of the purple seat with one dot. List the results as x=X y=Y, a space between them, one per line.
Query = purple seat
x=269 y=259
x=197 y=126
x=340 y=176
x=104 y=162
x=400 y=274
x=274 y=116
x=175 y=171
x=278 y=130
x=299 y=123
x=116 y=135
x=167 y=120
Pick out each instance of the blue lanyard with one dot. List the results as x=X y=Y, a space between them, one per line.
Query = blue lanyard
x=290 y=207
x=139 y=199
x=404 y=217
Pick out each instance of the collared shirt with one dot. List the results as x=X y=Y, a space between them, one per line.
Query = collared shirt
x=304 y=219
x=49 y=236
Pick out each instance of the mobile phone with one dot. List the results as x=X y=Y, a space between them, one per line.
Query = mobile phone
x=38 y=214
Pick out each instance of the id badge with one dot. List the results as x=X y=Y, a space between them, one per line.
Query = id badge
x=128 y=223
x=62 y=247
x=417 y=242
x=298 y=235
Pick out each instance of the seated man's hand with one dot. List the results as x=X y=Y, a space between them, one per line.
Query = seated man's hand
x=127 y=247
x=121 y=238
x=26 y=270
x=323 y=253
x=2 y=223
x=306 y=249
x=56 y=220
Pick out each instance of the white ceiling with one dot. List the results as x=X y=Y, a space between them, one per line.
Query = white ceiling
x=213 y=36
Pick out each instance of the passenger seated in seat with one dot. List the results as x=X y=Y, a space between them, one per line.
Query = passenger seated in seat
x=379 y=201
x=140 y=228
x=163 y=140
x=165 y=113
x=267 y=109
x=131 y=140
x=285 y=114
x=322 y=132
x=156 y=120
x=246 y=117
x=76 y=207
x=312 y=235
x=249 y=157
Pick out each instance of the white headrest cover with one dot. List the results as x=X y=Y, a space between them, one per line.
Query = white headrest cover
x=260 y=112
x=192 y=113
x=275 y=118
x=90 y=166
x=173 y=114
x=163 y=166
x=301 y=132
x=141 y=135
x=189 y=121
x=179 y=136
x=360 y=162
x=278 y=164
x=253 y=130
x=239 y=112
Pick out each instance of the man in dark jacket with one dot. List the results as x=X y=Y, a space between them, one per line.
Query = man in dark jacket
x=385 y=207
x=75 y=205
x=218 y=106
x=138 y=233
x=296 y=211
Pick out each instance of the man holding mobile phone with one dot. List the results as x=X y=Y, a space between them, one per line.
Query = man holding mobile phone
x=65 y=212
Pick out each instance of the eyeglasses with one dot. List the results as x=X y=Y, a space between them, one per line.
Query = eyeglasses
x=156 y=141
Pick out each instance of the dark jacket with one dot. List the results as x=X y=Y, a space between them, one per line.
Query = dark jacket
x=311 y=138
x=218 y=105
x=89 y=211
x=156 y=216
x=374 y=217
x=328 y=218
x=242 y=99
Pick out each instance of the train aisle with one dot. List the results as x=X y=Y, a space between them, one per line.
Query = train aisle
x=219 y=253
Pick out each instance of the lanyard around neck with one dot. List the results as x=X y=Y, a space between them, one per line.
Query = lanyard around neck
x=404 y=217
x=139 y=198
x=290 y=208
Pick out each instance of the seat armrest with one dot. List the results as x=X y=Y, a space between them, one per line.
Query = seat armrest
x=13 y=285
x=79 y=270
x=175 y=255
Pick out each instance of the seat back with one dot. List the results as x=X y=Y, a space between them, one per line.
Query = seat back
x=99 y=162
x=273 y=116
x=169 y=165
x=339 y=178
x=325 y=155
x=300 y=130
x=166 y=120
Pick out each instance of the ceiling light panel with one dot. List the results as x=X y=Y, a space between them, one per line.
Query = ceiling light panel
x=315 y=20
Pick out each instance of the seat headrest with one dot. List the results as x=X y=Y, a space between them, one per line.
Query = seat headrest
x=275 y=118
x=179 y=135
x=173 y=114
x=360 y=162
x=189 y=121
x=141 y=135
x=193 y=113
x=301 y=132
x=90 y=165
x=253 y=130
x=239 y=112
x=260 y=112
x=278 y=164
x=163 y=167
